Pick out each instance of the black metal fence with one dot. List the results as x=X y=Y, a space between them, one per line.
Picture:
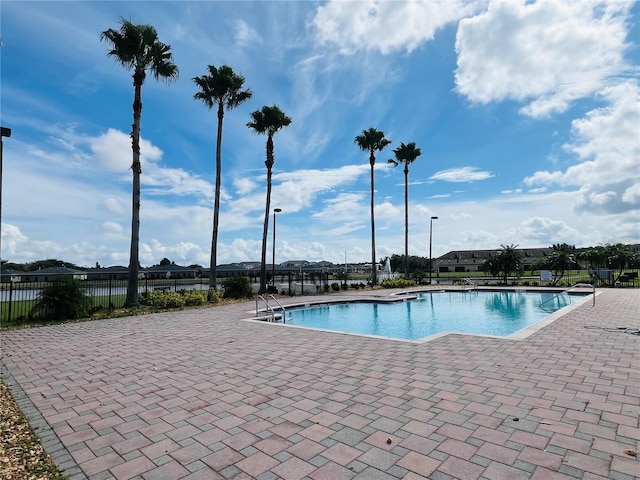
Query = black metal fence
x=17 y=298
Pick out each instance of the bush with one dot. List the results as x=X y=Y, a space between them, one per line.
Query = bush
x=214 y=296
x=335 y=286
x=397 y=283
x=194 y=298
x=162 y=299
x=237 y=287
x=65 y=299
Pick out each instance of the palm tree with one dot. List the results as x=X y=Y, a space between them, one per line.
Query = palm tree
x=221 y=87
x=406 y=154
x=267 y=121
x=510 y=260
x=136 y=47
x=372 y=140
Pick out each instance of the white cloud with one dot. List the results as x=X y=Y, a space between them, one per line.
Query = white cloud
x=113 y=205
x=547 y=52
x=244 y=185
x=112 y=149
x=607 y=141
x=111 y=228
x=540 y=229
x=245 y=35
x=385 y=26
x=463 y=174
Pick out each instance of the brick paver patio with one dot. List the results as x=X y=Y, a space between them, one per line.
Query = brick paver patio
x=201 y=395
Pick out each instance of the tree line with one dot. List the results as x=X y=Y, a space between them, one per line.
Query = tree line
x=562 y=258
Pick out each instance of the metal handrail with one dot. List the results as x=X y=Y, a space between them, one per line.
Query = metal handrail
x=280 y=305
x=473 y=283
x=577 y=285
x=269 y=307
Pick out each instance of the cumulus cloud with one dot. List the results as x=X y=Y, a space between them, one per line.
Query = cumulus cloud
x=463 y=174
x=547 y=53
x=536 y=229
x=111 y=228
x=244 y=185
x=245 y=35
x=113 y=205
x=606 y=141
x=113 y=150
x=385 y=26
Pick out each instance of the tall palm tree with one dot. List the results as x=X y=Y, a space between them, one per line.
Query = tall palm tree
x=267 y=121
x=221 y=87
x=406 y=154
x=136 y=47
x=372 y=141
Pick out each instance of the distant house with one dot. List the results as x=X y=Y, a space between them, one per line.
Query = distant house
x=54 y=273
x=471 y=260
x=169 y=271
x=13 y=276
x=116 y=272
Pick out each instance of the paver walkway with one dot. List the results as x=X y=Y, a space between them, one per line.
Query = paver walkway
x=200 y=394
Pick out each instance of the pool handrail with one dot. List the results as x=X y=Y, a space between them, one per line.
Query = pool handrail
x=577 y=285
x=270 y=308
x=468 y=281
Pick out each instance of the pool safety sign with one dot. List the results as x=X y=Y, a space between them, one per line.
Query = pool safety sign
x=545 y=275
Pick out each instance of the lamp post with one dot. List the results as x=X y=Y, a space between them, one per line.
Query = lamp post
x=273 y=257
x=430 y=244
x=5 y=132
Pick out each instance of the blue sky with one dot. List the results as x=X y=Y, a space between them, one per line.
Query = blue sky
x=527 y=115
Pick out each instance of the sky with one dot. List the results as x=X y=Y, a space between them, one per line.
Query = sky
x=527 y=114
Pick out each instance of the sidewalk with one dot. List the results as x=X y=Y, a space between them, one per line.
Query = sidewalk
x=200 y=394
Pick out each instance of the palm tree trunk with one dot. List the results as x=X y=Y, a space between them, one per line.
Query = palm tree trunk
x=406 y=223
x=132 y=284
x=216 y=206
x=265 y=230
x=374 y=276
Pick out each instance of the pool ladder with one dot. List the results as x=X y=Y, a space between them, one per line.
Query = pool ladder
x=472 y=283
x=577 y=285
x=270 y=309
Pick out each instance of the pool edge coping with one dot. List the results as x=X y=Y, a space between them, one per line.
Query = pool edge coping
x=518 y=335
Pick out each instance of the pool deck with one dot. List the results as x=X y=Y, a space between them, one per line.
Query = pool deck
x=199 y=394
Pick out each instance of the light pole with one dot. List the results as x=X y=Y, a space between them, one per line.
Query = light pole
x=273 y=257
x=430 y=244
x=5 y=132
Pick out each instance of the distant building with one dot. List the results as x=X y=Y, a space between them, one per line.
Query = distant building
x=471 y=260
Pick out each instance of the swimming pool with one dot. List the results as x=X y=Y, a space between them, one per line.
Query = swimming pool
x=498 y=313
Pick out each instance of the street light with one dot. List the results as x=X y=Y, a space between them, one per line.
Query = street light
x=273 y=257
x=5 y=132
x=430 y=244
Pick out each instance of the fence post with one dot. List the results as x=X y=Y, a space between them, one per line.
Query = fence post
x=110 y=305
x=10 y=300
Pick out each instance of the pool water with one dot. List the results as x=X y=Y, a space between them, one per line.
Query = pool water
x=498 y=313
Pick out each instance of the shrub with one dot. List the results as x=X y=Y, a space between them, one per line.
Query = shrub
x=397 y=283
x=65 y=299
x=213 y=296
x=237 y=287
x=194 y=298
x=162 y=299
x=335 y=286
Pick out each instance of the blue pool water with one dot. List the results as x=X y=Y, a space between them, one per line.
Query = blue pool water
x=498 y=313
